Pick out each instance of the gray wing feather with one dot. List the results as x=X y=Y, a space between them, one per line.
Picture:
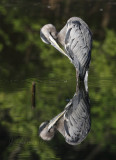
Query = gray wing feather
x=77 y=119
x=78 y=44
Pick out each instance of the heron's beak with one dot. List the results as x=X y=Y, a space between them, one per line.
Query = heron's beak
x=55 y=119
x=54 y=44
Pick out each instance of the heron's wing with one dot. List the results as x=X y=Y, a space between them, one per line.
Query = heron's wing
x=77 y=119
x=78 y=41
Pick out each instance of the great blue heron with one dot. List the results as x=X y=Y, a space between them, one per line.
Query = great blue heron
x=76 y=38
x=73 y=123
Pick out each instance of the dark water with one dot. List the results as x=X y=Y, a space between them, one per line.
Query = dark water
x=24 y=58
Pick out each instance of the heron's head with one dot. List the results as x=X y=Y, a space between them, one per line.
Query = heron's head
x=45 y=133
x=48 y=35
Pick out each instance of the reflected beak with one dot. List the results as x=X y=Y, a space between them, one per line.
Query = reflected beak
x=55 y=119
x=54 y=44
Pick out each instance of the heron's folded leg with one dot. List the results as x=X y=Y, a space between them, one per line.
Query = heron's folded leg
x=77 y=79
x=77 y=75
x=86 y=81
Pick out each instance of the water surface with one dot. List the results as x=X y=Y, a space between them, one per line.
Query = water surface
x=24 y=58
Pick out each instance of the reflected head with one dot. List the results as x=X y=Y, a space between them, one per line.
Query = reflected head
x=44 y=133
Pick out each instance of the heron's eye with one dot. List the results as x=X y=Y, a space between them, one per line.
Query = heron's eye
x=54 y=35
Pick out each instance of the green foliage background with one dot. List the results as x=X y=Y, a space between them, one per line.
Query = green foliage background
x=24 y=58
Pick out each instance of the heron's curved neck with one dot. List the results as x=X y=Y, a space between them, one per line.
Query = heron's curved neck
x=60 y=126
x=61 y=36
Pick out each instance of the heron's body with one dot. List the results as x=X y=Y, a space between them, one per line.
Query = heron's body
x=76 y=38
x=73 y=123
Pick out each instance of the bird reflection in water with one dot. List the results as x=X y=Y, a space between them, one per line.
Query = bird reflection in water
x=73 y=123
